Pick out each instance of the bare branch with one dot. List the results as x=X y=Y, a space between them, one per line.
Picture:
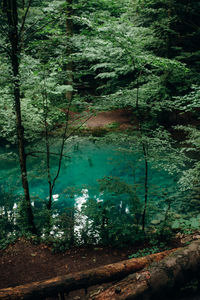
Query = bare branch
x=40 y=28
x=24 y=20
x=32 y=153
x=77 y=128
x=43 y=26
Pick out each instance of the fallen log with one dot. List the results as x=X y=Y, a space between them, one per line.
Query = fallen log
x=157 y=280
x=78 y=280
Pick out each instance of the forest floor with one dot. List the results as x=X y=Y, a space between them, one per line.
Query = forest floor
x=25 y=262
x=121 y=118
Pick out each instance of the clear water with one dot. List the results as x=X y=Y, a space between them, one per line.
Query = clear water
x=85 y=162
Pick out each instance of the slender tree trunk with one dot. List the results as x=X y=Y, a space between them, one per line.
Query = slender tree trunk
x=137 y=95
x=69 y=33
x=69 y=96
x=145 y=153
x=145 y=187
x=12 y=17
x=48 y=169
x=168 y=40
x=137 y=90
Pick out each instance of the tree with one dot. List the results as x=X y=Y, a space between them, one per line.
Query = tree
x=83 y=279
x=124 y=64
x=176 y=30
x=69 y=33
x=14 y=39
x=159 y=279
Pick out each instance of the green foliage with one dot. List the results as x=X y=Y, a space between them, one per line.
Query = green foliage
x=187 y=225
x=155 y=246
x=173 y=37
x=113 y=125
x=136 y=54
x=57 y=244
x=191 y=287
x=7 y=213
x=188 y=102
x=145 y=252
x=6 y=241
x=114 y=220
x=99 y=132
x=21 y=216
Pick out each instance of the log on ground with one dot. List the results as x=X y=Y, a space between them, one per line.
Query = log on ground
x=157 y=280
x=79 y=280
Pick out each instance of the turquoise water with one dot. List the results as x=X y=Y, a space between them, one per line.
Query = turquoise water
x=85 y=162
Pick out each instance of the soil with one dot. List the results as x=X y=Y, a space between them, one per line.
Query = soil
x=24 y=262
x=123 y=118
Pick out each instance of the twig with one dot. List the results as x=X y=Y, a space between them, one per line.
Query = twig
x=71 y=133
x=42 y=152
x=24 y=19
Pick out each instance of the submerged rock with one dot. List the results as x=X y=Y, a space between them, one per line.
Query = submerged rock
x=155 y=222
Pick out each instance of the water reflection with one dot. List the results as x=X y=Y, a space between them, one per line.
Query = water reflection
x=84 y=168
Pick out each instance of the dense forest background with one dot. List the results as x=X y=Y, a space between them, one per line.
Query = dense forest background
x=59 y=57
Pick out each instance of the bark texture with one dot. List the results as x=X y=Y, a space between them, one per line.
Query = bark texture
x=84 y=279
x=159 y=279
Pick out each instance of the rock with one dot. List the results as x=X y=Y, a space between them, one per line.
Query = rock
x=186 y=239
x=196 y=236
x=179 y=235
x=160 y=217
x=177 y=216
x=155 y=222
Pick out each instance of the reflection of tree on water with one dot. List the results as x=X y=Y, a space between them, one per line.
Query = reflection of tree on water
x=90 y=210
x=90 y=162
x=76 y=147
x=7 y=213
x=114 y=213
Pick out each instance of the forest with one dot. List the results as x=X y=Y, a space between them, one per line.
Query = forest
x=99 y=123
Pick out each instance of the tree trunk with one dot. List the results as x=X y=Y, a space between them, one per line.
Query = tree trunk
x=69 y=96
x=69 y=33
x=12 y=17
x=156 y=281
x=84 y=279
x=144 y=147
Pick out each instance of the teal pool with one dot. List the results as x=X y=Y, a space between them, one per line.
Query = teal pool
x=100 y=191
x=85 y=162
